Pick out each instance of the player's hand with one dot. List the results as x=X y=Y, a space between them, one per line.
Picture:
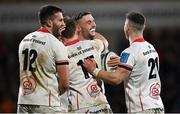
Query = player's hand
x=89 y=64
x=114 y=61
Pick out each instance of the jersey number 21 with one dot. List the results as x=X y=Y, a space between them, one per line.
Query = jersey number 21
x=152 y=63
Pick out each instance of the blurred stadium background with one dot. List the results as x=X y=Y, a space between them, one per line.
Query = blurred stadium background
x=19 y=17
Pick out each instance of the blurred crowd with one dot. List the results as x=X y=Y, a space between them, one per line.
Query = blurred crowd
x=165 y=39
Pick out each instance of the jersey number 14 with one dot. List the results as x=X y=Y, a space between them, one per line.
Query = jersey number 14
x=80 y=63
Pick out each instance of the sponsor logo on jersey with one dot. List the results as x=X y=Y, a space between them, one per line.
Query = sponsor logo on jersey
x=79 y=47
x=93 y=89
x=155 y=89
x=80 y=51
x=28 y=85
x=149 y=52
x=124 y=57
x=34 y=41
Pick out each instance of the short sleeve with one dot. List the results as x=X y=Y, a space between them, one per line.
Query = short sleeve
x=60 y=51
x=127 y=59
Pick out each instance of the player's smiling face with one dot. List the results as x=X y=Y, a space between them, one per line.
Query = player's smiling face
x=88 y=26
x=58 y=24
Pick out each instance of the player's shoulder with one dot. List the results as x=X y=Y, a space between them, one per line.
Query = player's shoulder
x=136 y=47
x=84 y=42
x=102 y=38
x=37 y=34
x=149 y=45
x=27 y=37
x=130 y=49
x=97 y=40
x=91 y=42
x=45 y=35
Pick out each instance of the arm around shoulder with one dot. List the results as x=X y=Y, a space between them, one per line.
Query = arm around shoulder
x=114 y=78
x=102 y=38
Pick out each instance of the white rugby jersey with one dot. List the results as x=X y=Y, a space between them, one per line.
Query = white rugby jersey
x=84 y=91
x=143 y=87
x=39 y=52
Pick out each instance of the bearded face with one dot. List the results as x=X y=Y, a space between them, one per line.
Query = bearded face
x=58 y=24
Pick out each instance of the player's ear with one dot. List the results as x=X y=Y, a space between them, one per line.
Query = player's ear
x=78 y=28
x=49 y=22
x=144 y=27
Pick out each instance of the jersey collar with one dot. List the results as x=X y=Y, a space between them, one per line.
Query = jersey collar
x=42 y=29
x=139 y=40
x=72 y=42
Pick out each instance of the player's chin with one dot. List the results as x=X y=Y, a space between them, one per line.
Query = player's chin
x=93 y=34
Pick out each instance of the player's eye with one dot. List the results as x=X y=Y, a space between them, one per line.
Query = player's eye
x=89 y=22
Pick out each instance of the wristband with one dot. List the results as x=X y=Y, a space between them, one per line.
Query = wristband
x=95 y=72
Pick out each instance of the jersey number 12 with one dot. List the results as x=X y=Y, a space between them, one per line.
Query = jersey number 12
x=29 y=58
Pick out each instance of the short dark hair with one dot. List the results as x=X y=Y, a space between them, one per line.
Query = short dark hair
x=70 y=27
x=47 y=12
x=81 y=14
x=137 y=19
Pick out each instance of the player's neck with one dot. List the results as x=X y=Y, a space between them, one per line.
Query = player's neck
x=82 y=37
x=134 y=36
x=48 y=29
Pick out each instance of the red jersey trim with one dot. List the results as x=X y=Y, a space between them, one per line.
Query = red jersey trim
x=139 y=40
x=42 y=29
x=72 y=42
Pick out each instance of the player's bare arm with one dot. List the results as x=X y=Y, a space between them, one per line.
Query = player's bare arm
x=63 y=78
x=113 y=78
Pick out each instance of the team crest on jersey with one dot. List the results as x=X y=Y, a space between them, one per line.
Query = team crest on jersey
x=79 y=47
x=28 y=85
x=93 y=89
x=124 y=57
x=155 y=89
